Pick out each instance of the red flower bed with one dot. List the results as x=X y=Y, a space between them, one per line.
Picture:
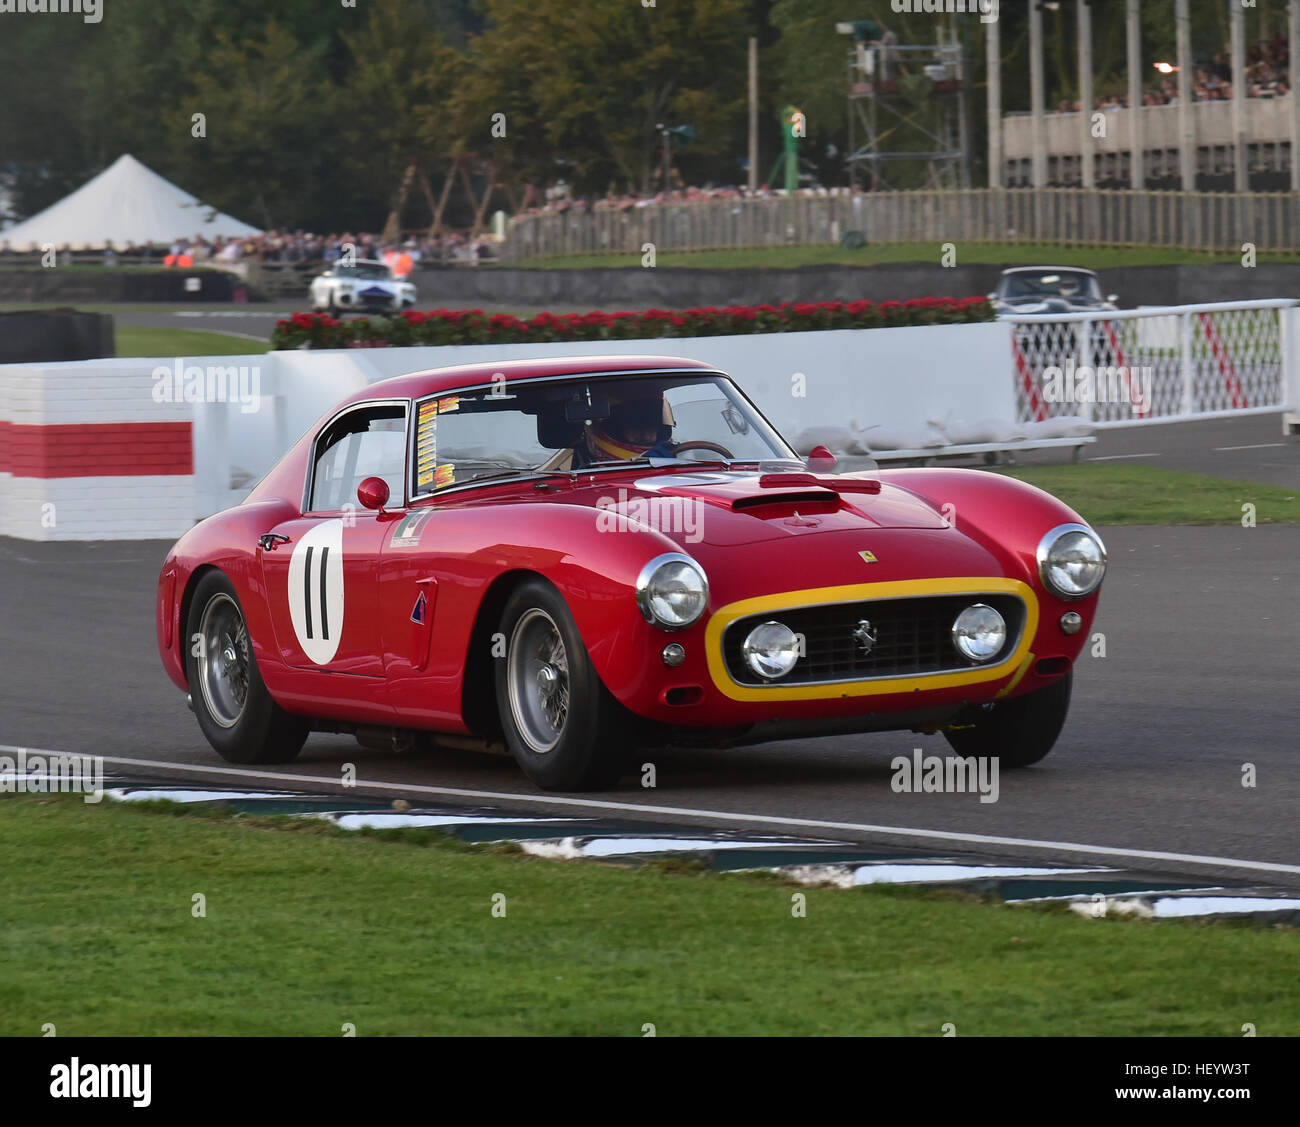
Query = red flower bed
x=473 y=326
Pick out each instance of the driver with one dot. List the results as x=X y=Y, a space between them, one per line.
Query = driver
x=636 y=428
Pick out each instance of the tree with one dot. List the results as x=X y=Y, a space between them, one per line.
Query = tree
x=270 y=141
x=602 y=77
x=396 y=106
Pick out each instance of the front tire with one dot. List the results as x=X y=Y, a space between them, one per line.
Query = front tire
x=564 y=729
x=1019 y=731
x=234 y=709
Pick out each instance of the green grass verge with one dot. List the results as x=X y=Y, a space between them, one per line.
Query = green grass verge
x=1114 y=494
x=968 y=254
x=308 y=927
x=141 y=340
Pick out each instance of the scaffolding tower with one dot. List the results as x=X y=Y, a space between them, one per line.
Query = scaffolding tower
x=918 y=91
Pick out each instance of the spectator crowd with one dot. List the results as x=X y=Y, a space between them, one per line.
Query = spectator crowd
x=300 y=248
x=559 y=200
x=1267 y=68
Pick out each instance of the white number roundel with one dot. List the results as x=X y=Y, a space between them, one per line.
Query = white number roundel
x=316 y=591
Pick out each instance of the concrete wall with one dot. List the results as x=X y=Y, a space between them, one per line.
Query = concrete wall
x=38 y=336
x=681 y=287
x=1267 y=120
x=126 y=284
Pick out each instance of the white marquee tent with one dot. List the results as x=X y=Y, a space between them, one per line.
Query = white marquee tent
x=128 y=204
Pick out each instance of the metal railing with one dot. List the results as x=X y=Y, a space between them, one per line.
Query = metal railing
x=1209 y=221
x=1143 y=365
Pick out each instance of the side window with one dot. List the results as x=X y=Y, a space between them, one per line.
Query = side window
x=367 y=442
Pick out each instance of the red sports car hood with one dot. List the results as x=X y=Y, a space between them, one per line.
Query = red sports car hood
x=749 y=508
x=799 y=526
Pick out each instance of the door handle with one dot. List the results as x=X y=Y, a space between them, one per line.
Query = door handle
x=268 y=541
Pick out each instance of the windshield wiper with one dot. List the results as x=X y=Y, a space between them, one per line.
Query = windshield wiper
x=515 y=473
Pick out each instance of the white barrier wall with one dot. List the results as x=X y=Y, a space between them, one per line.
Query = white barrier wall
x=856 y=379
x=88 y=453
x=131 y=449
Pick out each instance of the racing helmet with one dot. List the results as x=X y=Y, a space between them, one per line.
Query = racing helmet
x=634 y=426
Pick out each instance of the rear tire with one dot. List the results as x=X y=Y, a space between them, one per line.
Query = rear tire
x=1019 y=731
x=234 y=709
x=561 y=724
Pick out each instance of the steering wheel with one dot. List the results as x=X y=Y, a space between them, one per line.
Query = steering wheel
x=700 y=444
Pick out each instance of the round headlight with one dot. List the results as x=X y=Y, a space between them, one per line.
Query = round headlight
x=979 y=632
x=771 y=650
x=1071 y=561
x=672 y=591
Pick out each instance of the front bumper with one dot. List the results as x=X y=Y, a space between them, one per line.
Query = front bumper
x=705 y=692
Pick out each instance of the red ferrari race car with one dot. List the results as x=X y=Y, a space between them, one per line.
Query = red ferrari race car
x=581 y=557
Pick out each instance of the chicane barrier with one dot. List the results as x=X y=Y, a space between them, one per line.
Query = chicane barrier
x=141 y=448
x=1156 y=364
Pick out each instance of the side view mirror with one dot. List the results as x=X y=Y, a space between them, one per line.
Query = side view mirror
x=821 y=460
x=373 y=493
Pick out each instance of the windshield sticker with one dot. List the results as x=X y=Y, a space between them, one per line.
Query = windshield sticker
x=446 y=406
x=426 y=444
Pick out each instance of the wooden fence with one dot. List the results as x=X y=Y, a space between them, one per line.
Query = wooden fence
x=1205 y=221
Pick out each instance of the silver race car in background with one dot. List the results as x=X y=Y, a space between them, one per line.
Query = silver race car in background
x=366 y=286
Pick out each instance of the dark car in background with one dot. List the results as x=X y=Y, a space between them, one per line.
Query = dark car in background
x=1050 y=290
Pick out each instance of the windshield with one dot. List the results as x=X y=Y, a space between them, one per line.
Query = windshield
x=1070 y=284
x=531 y=426
x=363 y=270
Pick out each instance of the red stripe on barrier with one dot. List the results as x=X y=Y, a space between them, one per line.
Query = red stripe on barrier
x=1027 y=381
x=96 y=449
x=1227 y=369
x=1112 y=338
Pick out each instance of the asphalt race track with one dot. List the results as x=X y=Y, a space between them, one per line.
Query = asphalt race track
x=1198 y=679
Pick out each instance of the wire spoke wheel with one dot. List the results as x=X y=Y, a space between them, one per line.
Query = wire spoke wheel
x=223 y=660
x=538 y=680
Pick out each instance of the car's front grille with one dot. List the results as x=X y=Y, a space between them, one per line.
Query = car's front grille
x=911 y=637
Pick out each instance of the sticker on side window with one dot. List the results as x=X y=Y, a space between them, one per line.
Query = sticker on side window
x=426 y=445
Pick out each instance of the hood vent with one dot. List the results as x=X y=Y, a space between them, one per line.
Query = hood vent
x=807 y=497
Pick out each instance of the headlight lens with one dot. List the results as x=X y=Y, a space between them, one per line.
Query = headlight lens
x=672 y=591
x=771 y=650
x=979 y=633
x=1071 y=561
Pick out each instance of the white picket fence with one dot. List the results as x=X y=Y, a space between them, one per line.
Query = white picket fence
x=1153 y=364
